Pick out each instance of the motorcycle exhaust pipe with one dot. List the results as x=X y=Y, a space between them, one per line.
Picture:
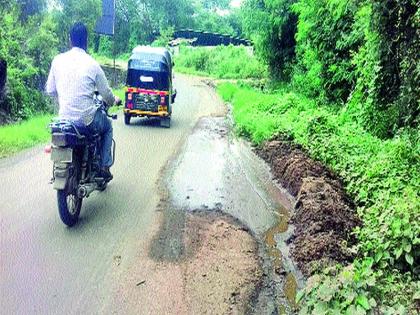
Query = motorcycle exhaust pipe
x=85 y=190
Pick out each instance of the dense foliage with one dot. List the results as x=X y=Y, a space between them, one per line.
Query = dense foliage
x=360 y=53
x=272 y=26
x=28 y=60
x=382 y=176
x=223 y=62
x=352 y=99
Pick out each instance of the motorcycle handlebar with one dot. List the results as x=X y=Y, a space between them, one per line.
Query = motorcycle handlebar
x=105 y=108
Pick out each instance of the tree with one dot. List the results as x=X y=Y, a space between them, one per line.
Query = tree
x=271 y=24
x=87 y=11
x=31 y=7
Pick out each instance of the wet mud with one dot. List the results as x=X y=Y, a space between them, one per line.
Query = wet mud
x=218 y=178
x=323 y=215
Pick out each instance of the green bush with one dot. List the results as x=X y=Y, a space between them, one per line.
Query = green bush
x=340 y=291
x=351 y=290
x=326 y=41
x=382 y=176
x=223 y=62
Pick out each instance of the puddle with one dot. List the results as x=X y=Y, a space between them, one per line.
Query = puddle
x=215 y=171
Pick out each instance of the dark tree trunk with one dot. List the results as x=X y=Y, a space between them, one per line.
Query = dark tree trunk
x=3 y=77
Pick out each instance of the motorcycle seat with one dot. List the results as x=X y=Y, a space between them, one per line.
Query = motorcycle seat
x=76 y=128
x=68 y=133
x=84 y=130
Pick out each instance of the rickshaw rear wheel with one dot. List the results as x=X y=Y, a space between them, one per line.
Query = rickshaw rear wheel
x=165 y=122
x=127 y=118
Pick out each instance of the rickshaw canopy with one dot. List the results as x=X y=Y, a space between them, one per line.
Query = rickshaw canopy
x=150 y=68
x=150 y=58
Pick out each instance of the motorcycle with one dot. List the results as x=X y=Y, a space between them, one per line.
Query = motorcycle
x=76 y=164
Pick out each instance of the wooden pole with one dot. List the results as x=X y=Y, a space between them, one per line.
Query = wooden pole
x=115 y=70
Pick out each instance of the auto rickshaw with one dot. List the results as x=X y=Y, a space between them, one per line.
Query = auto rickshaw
x=149 y=90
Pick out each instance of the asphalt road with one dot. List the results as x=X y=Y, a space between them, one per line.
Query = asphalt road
x=47 y=268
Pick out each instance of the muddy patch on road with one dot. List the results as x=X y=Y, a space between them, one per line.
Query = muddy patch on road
x=226 y=222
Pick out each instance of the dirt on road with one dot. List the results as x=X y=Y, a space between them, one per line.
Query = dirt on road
x=217 y=273
x=223 y=273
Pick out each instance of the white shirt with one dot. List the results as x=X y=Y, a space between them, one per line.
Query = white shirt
x=73 y=78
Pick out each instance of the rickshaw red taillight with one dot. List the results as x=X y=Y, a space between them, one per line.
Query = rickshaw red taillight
x=162 y=100
x=129 y=96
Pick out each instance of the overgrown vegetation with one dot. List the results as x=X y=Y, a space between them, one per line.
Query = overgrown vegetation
x=382 y=176
x=142 y=21
x=223 y=62
x=349 y=71
x=363 y=54
x=272 y=26
x=27 y=61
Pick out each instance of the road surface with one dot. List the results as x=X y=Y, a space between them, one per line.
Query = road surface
x=47 y=268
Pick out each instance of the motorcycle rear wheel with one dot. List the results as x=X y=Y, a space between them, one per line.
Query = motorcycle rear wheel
x=69 y=202
x=69 y=206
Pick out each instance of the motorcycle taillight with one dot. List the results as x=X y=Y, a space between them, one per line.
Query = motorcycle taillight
x=47 y=149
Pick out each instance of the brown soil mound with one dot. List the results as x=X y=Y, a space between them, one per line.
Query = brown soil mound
x=324 y=215
x=218 y=273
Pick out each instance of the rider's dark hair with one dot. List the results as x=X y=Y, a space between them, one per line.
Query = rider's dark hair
x=78 y=35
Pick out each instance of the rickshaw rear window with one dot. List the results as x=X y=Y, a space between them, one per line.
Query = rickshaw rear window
x=151 y=80
x=149 y=65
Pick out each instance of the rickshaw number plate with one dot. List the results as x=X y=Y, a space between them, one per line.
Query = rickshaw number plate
x=146 y=79
x=64 y=155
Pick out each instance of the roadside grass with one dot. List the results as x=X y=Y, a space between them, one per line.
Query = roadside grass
x=221 y=62
x=23 y=135
x=382 y=176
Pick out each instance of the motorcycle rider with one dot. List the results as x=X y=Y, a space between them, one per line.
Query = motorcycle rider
x=74 y=77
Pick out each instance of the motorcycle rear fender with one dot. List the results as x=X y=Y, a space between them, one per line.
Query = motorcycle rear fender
x=61 y=173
